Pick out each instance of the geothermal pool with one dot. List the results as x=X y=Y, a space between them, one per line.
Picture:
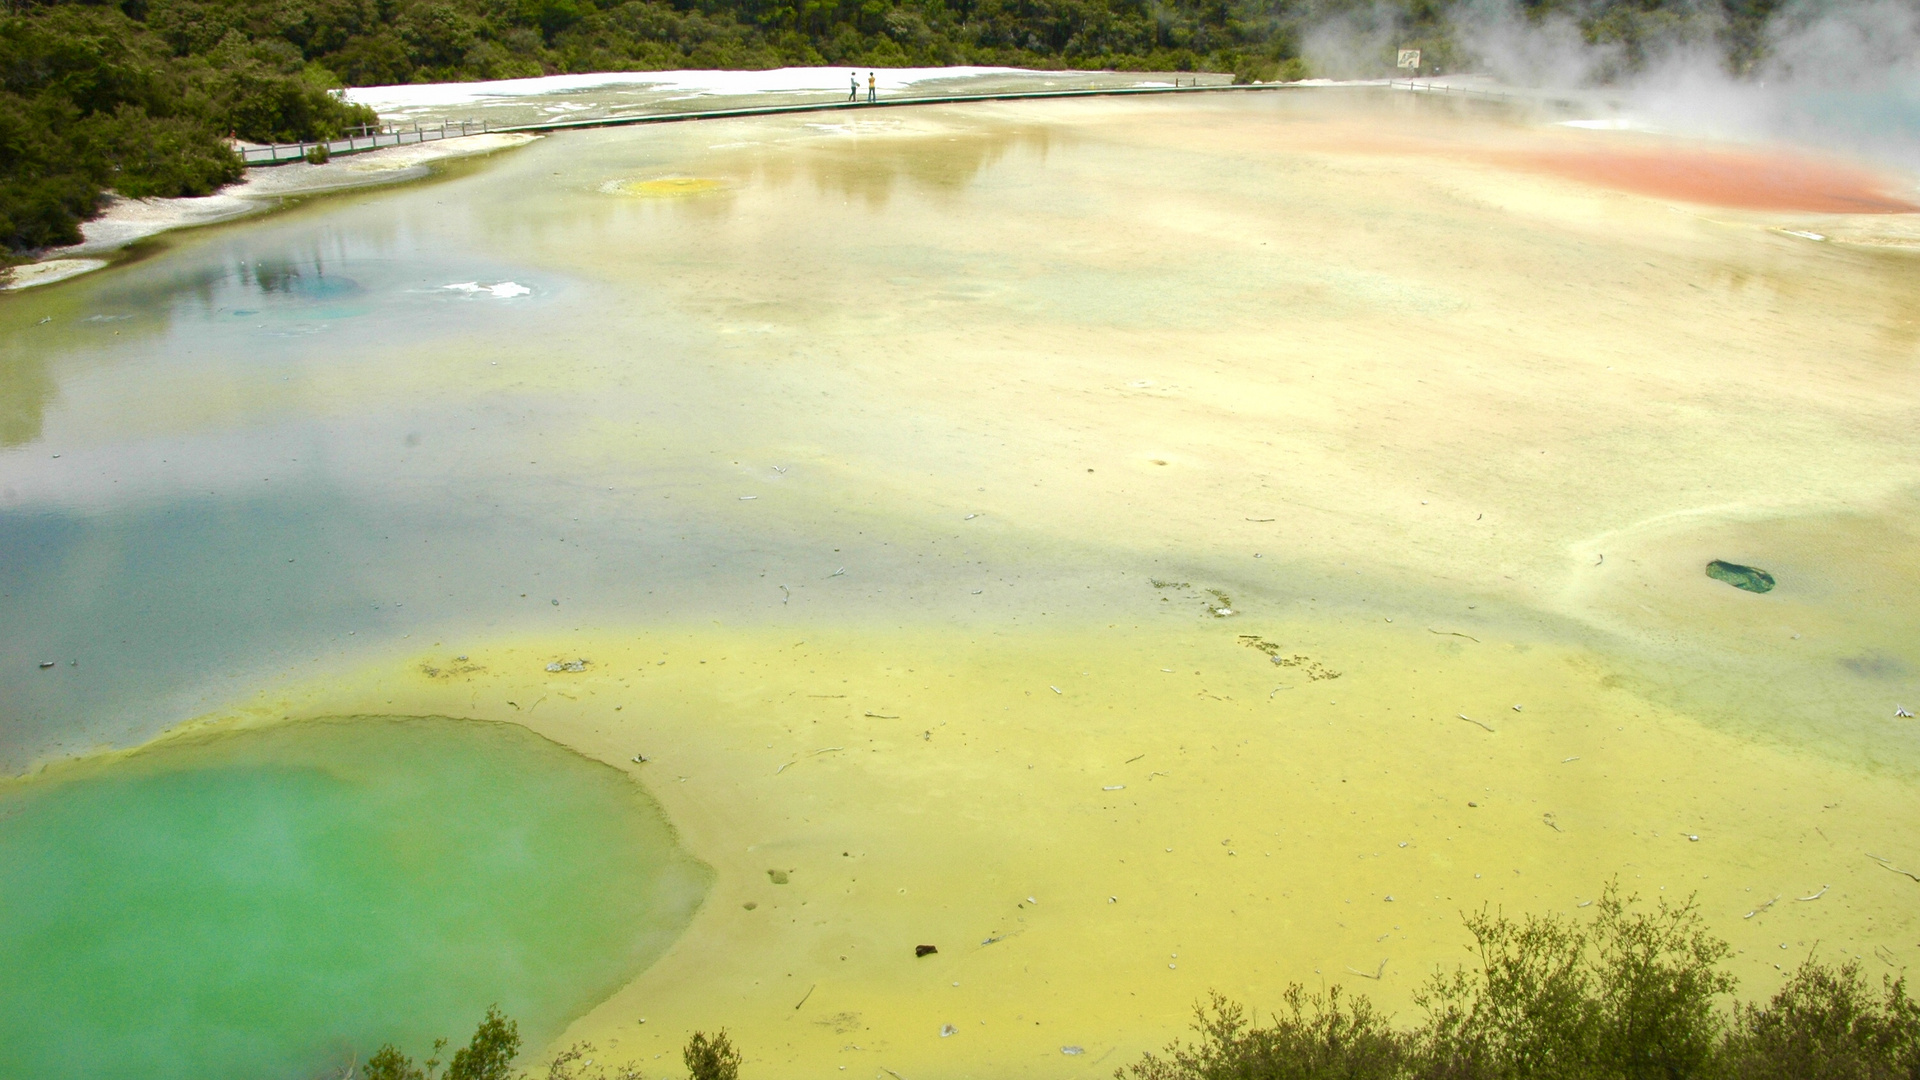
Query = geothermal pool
x=257 y=903
x=1138 y=547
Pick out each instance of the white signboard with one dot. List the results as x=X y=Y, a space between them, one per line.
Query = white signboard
x=1409 y=58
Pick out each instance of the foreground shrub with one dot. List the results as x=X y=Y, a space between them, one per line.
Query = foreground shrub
x=487 y=1056
x=1826 y=1024
x=1317 y=1036
x=1629 y=995
x=711 y=1058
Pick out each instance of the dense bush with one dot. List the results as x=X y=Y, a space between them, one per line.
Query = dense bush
x=1632 y=995
x=711 y=1057
x=91 y=99
x=1827 y=1024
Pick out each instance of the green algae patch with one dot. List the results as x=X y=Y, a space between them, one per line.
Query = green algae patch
x=278 y=902
x=1751 y=578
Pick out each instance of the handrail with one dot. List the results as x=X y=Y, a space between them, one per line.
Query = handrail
x=898 y=102
x=289 y=152
x=283 y=153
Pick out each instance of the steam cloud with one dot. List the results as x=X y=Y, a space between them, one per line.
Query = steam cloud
x=1839 y=75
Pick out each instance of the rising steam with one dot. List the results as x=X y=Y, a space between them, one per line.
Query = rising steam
x=1834 y=74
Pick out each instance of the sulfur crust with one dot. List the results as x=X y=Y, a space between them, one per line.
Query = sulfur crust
x=959 y=784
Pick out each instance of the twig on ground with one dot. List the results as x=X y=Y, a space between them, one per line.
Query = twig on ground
x=1889 y=865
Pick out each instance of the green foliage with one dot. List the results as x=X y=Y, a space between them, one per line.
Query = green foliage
x=388 y=1063
x=1317 y=1037
x=1825 y=1024
x=1629 y=995
x=487 y=1056
x=91 y=99
x=711 y=1058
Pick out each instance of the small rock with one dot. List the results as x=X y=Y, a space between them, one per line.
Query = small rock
x=924 y=950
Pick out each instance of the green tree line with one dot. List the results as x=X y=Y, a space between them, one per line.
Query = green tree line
x=92 y=99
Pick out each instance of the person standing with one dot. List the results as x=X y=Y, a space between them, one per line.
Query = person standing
x=853 y=86
x=872 y=89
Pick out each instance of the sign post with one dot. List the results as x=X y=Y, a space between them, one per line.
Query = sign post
x=1410 y=61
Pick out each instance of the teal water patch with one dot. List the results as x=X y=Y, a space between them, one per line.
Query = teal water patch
x=276 y=903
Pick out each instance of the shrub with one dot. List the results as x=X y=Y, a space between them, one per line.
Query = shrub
x=487 y=1056
x=1317 y=1036
x=1629 y=995
x=711 y=1058
x=1825 y=1024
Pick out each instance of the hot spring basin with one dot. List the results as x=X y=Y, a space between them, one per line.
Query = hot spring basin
x=276 y=903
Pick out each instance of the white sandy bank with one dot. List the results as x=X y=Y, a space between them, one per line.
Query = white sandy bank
x=393 y=99
x=126 y=221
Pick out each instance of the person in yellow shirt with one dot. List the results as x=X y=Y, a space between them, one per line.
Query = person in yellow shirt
x=872 y=88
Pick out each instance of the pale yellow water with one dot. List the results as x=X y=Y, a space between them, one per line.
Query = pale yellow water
x=1036 y=378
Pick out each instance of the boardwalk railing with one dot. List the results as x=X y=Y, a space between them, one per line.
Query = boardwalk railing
x=289 y=152
x=286 y=152
x=283 y=153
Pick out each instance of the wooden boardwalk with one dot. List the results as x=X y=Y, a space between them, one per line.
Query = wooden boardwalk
x=289 y=152
x=285 y=153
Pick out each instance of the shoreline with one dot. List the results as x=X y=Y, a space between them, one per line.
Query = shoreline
x=126 y=222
